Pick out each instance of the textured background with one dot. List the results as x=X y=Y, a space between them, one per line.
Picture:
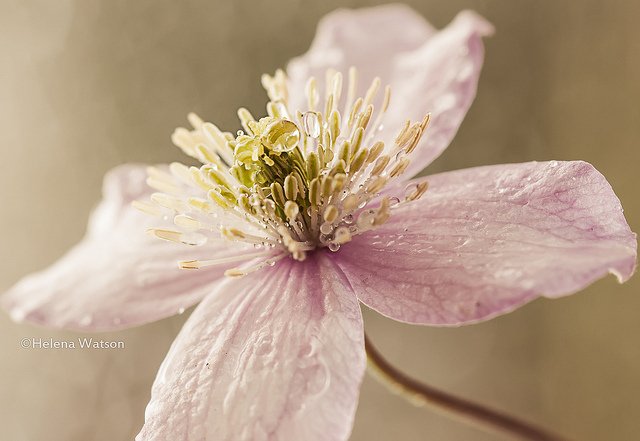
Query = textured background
x=86 y=85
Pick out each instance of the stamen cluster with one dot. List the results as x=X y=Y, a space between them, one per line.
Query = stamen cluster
x=287 y=183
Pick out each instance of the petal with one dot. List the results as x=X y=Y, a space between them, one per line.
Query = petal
x=278 y=354
x=483 y=241
x=117 y=276
x=428 y=71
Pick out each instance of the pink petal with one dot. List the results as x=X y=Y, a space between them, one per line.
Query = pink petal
x=484 y=241
x=276 y=355
x=117 y=276
x=428 y=71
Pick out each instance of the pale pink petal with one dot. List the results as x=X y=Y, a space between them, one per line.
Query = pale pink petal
x=428 y=71
x=483 y=241
x=276 y=355
x=117 y=276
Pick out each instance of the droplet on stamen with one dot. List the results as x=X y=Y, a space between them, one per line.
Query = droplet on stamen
x=311 y=124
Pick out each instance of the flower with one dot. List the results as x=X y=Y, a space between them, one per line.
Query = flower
x=313 y=211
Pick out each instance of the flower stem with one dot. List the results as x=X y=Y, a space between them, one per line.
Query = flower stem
x=458 y=408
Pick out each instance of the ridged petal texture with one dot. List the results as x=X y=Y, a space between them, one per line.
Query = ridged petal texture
x=275 y=355
x=428 y=71
x=485 y=240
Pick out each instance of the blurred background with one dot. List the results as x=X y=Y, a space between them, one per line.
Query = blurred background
x=86 y=85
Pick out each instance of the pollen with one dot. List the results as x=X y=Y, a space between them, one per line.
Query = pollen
x=290 y=182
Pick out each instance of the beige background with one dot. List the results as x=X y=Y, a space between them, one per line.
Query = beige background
x=87 y=85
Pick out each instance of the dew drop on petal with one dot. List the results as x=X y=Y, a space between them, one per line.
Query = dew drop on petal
x=334 y=246
x=446 y=102
x=466 y=71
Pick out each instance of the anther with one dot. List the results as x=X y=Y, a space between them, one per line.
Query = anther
x=331 y=213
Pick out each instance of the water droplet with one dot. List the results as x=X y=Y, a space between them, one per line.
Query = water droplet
x=311 y=124
x=239 y=133
x=194 y=239
x=281 y=136
x=181 y=310
x=326 y=228
x=553 y=164
x=394 y=201
x=308 y=350
x=400 y=155
x=334 y=246
x=348 y=219
x=264 y=346
x=466 y=71
x=445 y=102
x=365 y=219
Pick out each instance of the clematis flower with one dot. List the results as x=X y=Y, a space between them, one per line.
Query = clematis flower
x=309 y=211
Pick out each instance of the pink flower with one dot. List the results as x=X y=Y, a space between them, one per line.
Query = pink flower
x=279 y=353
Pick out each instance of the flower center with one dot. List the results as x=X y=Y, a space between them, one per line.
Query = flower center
x=288 y=183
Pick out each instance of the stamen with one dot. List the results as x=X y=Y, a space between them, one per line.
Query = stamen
x=147 y=208
x=197 y=264
x=291 y=184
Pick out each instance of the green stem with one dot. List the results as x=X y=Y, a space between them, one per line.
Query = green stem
x=457 y=408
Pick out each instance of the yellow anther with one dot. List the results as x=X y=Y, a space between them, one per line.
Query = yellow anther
x=291 y=210
x=291 y=187
x=342 y=235
x=331 y=213
x=383 y=213
x=277 y=193
x=377 y=184
x=314 y=192
x=358 y=161
x=350 y=203
x=169 y=235
x=418 y=191
x=232 y=233
x=399 y=168
x=375 y=151
x=380 y=165
x=245 y=118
